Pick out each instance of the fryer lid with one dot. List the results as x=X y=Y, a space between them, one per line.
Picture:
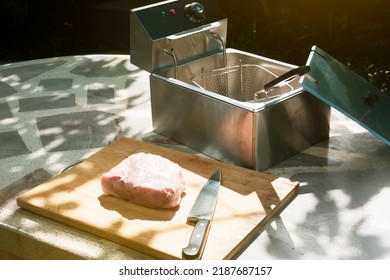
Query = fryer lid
x=338 y=86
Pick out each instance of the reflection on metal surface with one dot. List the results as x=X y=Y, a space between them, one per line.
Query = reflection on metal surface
x=253 y=135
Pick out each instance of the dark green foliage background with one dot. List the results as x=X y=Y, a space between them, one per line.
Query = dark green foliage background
x=356 y=32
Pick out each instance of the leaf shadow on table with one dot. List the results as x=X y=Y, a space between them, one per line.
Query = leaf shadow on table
x=333 y=210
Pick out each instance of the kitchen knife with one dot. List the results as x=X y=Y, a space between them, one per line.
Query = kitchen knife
x=201 y=215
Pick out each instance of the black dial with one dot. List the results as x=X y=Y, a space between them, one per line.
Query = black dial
x=195 y=12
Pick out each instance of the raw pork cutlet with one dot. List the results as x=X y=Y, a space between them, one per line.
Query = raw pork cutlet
x=146 y=179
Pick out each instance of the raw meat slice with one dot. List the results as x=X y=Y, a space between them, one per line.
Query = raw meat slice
x=146 y=179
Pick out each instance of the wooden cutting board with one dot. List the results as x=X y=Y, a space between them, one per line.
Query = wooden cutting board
x=247 y=201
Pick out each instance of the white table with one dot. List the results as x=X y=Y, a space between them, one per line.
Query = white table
x=56 y=111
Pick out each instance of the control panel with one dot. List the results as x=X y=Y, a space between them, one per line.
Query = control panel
x=171 y=17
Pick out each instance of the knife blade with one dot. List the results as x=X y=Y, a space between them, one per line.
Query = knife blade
x=201 y=215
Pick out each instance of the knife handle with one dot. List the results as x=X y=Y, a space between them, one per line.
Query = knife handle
x=198 y=238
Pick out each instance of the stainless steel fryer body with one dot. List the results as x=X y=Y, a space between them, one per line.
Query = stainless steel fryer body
x=255 y=136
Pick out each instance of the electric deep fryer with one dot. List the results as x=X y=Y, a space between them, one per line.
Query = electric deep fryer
x=212 y=98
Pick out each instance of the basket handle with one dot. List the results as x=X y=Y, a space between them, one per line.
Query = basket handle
x=287 y=77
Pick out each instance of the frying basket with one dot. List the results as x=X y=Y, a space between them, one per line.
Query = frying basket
x=242 y=82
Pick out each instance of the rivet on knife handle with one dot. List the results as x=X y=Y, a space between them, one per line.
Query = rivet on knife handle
x=197 y=241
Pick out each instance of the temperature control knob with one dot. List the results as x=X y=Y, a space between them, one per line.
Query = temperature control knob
x=195 y=12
